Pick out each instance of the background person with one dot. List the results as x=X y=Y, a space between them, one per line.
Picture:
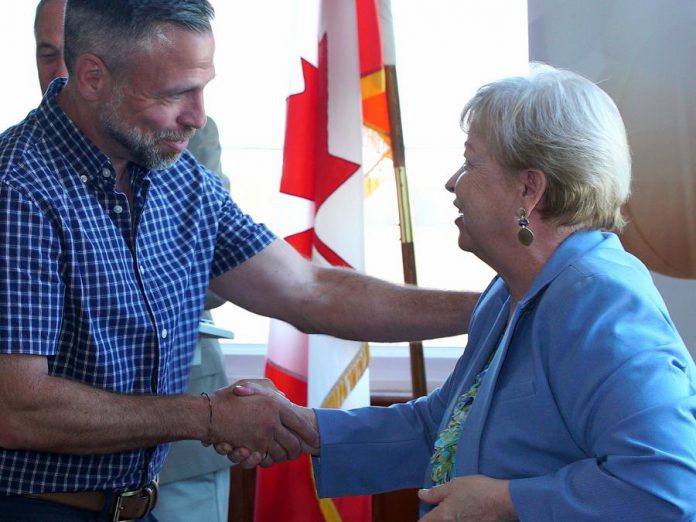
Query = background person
x=575 y=398
x=112 y=232
x=48 y=34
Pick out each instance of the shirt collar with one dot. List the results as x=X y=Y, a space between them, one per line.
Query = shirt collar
x=61 y=132
x=89 y=163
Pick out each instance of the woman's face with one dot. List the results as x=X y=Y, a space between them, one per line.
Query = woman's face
x=486 y=196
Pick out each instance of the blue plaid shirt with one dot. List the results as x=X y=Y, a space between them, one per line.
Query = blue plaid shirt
x=109 y=304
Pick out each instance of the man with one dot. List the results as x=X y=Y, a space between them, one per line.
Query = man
x=112 y=232
x=192 y=475
x=48 y=33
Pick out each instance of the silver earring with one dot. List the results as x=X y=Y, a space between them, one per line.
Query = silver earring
x=524 y=234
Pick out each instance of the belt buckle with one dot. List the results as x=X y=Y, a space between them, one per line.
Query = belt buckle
x=150 y=489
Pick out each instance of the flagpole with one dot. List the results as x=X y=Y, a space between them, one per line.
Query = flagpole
x=418 y=382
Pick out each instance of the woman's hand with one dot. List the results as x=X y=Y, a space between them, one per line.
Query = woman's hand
x=475 y=498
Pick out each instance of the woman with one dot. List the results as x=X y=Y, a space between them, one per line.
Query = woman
x=575 y=398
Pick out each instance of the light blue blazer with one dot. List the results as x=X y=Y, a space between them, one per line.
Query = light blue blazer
x=589 y=406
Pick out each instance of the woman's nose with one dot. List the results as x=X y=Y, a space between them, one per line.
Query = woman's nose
x=452 y=181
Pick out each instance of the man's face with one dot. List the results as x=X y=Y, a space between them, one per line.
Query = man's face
x=157 y=106
x=49 y=43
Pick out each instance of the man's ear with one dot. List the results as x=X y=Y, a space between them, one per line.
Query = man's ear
x=92 y=77
x=533 y=186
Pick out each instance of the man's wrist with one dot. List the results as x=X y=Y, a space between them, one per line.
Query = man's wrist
x=209 y=429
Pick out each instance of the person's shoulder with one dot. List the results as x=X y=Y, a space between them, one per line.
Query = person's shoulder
x=14 y=140
x=602 y=288
x=608 y=267
x=605 y=305
x=20 y=151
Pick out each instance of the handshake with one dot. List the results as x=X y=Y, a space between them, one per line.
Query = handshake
x=254 y=424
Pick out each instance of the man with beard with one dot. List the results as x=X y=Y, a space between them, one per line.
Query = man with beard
x=192 y=475
x=112 y=232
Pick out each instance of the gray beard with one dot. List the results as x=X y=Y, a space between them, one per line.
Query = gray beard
x=143 y=149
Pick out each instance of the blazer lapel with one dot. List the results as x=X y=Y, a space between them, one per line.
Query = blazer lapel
x=467 y=456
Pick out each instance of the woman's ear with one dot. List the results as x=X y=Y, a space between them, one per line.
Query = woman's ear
x=92 y=77
x=533 y=183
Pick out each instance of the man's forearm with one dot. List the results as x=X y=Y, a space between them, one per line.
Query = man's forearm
x=351 y=305
x=279 y=283
x=68 y=417
x=46 y=413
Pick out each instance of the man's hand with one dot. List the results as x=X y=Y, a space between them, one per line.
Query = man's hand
x=475 y=498
x=265 y=423
x=262 y=386
x=247 y=458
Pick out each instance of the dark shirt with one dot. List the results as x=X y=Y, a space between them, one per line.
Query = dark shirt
x=111 y=305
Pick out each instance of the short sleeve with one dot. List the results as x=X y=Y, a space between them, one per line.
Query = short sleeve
x=239 y=238
x=31 y=298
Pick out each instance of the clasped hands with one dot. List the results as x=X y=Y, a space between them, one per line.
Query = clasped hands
x=254 y=424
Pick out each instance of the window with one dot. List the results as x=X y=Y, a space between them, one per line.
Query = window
x=445 y=49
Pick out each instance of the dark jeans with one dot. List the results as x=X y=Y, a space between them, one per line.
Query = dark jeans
x=24 y=509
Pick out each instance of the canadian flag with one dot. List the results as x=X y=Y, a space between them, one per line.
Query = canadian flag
x=337 y=85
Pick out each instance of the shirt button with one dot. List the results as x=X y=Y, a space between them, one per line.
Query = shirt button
x=106 y=173
x=165 y=333
x=118 y=209
x=83 y=178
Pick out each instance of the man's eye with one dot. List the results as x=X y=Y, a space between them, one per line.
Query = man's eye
x=172 y=96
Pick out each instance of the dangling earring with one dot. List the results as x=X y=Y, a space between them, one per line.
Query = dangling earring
x=524 y=234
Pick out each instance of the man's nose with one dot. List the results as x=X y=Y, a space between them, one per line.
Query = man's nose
x=194 y=113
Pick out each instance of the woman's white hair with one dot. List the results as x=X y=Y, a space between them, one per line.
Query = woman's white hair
x=566 y=126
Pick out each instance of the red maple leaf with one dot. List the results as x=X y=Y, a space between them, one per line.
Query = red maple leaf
x=309 y=170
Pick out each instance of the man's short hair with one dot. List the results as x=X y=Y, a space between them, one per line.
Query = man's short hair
x=112 y=29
